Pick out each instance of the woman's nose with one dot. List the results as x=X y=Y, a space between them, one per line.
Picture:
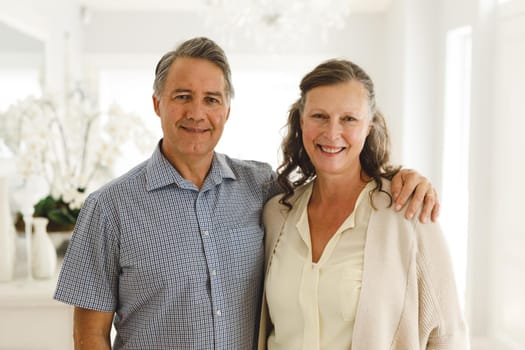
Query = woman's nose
x=333 y=127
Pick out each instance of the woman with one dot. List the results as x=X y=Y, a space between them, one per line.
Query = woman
x=344 y=270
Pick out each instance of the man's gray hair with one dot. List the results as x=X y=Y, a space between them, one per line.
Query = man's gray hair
x=202 y=48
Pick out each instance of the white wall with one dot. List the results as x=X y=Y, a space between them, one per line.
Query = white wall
x=414 y=79
x=481 y=192
x=52 y=22
x=495 y=263
x=506 y=121
x=21 y=65
x=134 y=32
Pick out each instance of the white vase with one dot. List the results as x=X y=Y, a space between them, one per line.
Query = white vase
x=44 y=255
x=7 y=235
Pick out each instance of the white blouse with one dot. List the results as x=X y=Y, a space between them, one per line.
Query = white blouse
x=313 y=305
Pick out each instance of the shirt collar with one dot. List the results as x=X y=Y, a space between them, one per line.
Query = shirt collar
x=160 y=173
x=302 y=210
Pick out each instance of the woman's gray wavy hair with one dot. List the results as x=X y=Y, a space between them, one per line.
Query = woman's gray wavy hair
x=375 y=155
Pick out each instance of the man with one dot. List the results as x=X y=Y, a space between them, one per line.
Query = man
x=172 y=251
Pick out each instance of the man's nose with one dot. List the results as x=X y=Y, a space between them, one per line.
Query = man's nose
x=194 y=110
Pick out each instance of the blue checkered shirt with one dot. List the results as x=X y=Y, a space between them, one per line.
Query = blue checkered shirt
x=182 y=268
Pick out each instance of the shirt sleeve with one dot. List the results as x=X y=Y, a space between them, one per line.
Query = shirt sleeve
x=89 y=274
x=272 y=187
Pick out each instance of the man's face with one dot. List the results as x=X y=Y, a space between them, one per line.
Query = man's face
x=193 y=109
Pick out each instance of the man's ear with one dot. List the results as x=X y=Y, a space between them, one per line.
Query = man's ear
x=156 y=103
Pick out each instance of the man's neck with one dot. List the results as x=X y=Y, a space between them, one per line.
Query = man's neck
x=195 y=171
x=192 y=168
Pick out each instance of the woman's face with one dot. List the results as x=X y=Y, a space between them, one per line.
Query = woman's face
x=335 y=123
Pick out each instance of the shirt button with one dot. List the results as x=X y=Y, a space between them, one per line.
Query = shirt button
x=206 y=233
x=214 y=272
x=219 y=313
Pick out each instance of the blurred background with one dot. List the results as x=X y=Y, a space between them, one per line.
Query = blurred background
x=449 y=78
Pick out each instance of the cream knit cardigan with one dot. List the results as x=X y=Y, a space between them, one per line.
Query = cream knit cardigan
x=408 y=295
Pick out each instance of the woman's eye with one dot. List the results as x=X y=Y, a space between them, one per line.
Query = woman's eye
x=318 y=116
x=349 y=118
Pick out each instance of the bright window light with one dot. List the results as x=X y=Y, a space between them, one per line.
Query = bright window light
x=17 y=84
x=454 y=214
x=131 y=89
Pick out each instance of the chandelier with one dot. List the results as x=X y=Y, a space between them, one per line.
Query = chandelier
x=267 y=21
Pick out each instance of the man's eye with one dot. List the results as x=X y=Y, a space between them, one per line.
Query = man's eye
x=212 y=100
x=181 y=97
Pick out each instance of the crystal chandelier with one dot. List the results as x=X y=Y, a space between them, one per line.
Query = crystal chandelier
x=265 y=21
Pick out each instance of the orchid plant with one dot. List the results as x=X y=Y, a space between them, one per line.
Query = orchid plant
x=72 y=147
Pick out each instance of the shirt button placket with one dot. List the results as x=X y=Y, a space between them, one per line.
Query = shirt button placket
x=205 y=223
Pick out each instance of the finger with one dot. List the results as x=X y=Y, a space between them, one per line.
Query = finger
x=435 y=210
x=428 y=205
x=412 y=184
x=397 y=183
x=417 y=200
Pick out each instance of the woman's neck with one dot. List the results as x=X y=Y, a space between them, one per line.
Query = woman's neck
x=338 y=189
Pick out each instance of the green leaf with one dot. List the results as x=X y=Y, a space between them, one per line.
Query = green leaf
x=44 y=206
x=61 y=217
x=56 y=211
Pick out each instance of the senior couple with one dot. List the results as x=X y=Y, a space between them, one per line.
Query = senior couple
x=174 y=252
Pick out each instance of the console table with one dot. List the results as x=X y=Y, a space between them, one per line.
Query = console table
x=29 y=317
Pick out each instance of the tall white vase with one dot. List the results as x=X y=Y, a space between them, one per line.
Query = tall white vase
x=7 y=235
x=44 y=255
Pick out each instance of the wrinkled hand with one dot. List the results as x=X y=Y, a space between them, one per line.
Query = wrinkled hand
x=409 y=182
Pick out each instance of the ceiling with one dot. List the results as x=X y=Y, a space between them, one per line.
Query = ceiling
x=357 y=6
x=143 y=5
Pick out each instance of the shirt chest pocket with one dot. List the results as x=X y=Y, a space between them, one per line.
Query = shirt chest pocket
x=349 y=292
x=246 y=250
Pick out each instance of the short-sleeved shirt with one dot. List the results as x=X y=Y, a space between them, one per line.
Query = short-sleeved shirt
x=182 y=268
